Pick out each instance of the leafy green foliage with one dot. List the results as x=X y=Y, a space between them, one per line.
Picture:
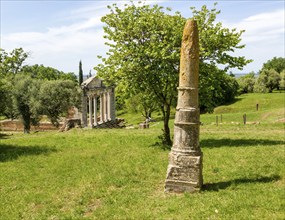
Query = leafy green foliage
x=27 y=100
x=12 y=63
x=246 y=83
x=267 y=81
x=80 y=73
x=28 y=91
x=282 y=80
x=144 y=54
x=142 y=103
x=217 y=43
x=47 y=73
x=8 y=102
x=57 y=96
x=2 y=96
x=215 y=87
x=276 y=63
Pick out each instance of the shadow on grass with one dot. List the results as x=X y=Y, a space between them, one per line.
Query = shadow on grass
x=12 y=152
x=225 y=142
x=223 y=185
x=233 y=101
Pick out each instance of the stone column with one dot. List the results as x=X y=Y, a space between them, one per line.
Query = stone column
x=84 y=108
x=95 y=110
x=109 y=105
x=184 y=173
x=90 y=112
x=105 y=107
x=101 y=108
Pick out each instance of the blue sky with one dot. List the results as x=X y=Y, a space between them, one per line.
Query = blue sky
x=60 y=33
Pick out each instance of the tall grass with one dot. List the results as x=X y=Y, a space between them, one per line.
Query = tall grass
x=120 y=173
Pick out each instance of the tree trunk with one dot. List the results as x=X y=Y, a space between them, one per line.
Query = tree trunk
x=166 y=131
x=27 y=127
x=26 y=122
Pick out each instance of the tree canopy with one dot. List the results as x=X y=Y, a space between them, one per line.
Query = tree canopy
x=80 y=73
x=144 y=53
x=246 y=83
x=27 y=92
x=47 y=73
x=276 y=63
x=12 y=63
x=57 y=97
x=267 y=81
x=27 y=100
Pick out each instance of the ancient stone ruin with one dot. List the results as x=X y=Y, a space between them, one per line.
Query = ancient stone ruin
x=184 y=173
x=96 y=94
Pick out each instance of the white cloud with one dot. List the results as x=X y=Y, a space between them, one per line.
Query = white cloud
x=82 y=38
x=261 y=27
x=263 y=37
x=62 y=47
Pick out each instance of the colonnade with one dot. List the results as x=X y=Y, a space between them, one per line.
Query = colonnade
x=102 y=102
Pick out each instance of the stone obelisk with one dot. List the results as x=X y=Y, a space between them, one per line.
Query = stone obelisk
x=184 y=173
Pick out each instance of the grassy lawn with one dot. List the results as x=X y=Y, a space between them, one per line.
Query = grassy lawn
x=120 y=174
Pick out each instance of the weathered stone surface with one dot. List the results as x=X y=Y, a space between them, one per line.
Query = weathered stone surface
x=95 y=92
x=184 y=173
x=70 y=123
x=143 y=125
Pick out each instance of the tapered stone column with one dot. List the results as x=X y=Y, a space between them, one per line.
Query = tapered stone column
x=95 y=110
x=184 y=173
x=90 y=112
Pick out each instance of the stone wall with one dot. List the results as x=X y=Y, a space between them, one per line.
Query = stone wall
x=16 y=125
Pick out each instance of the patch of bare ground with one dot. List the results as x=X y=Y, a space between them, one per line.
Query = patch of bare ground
x=91 y=207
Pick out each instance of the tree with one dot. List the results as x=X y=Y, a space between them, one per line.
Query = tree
x=215 y=87
x=276 y=63
x=56 y=97
x=282 y=80
x=246 y=83
x=2 y=96
x=8 y=102
x=27 y=100
x=80 y=73
x=144 y=50
x=47 y=73
x=90 y=74
x=267 y=81
x=12 y=63
x=142 y=103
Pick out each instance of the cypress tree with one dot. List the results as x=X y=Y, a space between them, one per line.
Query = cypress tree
x=80 y=73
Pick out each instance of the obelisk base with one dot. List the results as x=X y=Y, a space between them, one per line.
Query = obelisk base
x=184 y=173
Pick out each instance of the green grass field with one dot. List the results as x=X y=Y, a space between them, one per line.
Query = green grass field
x=120 y=173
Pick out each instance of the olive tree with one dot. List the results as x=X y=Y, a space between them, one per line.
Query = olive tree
x=56 y=97
x=27 y=100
